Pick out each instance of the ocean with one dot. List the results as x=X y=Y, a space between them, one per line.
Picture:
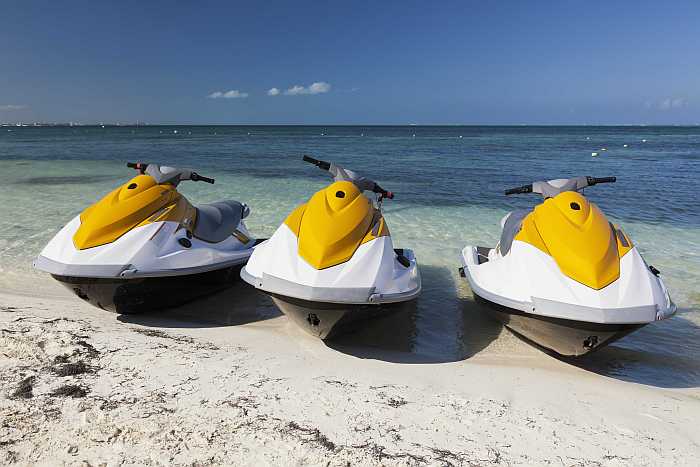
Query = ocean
x=448 y=182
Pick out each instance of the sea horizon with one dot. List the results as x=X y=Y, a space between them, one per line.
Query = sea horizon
x=330 y=125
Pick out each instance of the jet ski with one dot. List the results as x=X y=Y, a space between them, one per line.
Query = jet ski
x=563 y=276
x=332 y=262
x=144 y=246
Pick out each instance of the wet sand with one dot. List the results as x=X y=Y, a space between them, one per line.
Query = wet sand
x=213 y=383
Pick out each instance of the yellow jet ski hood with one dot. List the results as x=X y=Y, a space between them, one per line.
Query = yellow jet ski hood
x=149 y=197
x=334 y=223
x=574 y=232
x=337 y=219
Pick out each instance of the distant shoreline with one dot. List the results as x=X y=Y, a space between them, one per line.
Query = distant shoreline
x=338 y=125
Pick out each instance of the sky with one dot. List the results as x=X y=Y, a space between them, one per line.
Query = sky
x=343 y=62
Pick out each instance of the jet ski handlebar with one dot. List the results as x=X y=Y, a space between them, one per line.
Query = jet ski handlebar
x=520 y=189
x=554 y=187
x=381 y=191
x=595 y=180
x=323 y=165
x=341 y=174
x=195 y=177
x=168 y=174
x=140 y=166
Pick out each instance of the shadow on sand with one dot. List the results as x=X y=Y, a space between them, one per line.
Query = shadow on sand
x=239 y=304
x=440 y=326
x=446 y=325
x=664 y=354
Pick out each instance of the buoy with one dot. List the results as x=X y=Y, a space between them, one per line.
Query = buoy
x=174 y=132
x=594 y=154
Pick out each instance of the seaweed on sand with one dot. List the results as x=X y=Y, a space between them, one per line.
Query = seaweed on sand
x=24 y=389
x=70 y=390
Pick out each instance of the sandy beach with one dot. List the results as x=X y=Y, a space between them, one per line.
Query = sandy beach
x=188 y=387
x=439 y=169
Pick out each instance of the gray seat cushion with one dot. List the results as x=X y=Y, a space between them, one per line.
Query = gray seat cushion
x=511 y=227
x=216 y=221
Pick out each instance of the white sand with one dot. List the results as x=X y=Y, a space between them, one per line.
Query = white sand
x=177 y=392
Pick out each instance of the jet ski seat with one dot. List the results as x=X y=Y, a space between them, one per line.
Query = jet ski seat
x=216 y=221
x=511 y=226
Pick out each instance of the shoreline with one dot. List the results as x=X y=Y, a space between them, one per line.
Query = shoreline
x=173 y=388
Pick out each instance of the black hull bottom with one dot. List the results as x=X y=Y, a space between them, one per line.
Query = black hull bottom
x=564 y=337
x=138 y=295
x=328 y=320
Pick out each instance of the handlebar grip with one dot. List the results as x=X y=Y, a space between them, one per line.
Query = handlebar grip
x=382 y=191
x=595 y=180
x=195 y=177
x=606 y=180
x=320 y=164
x=140 y=166
x=518 y=190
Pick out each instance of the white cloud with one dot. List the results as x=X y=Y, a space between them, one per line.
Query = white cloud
x=296 y=90
x=232 y=94
x=319 y=87
x=10 y=107
x=669 y=103
x=273 y=92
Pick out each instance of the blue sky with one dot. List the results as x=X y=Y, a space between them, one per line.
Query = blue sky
x=499 y=62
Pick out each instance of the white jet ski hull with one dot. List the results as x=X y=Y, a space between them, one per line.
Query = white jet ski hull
x=335 y=300
x=526 y=291
x=150 y=267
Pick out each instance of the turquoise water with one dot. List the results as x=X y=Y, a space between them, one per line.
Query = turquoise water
x=448 y=182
